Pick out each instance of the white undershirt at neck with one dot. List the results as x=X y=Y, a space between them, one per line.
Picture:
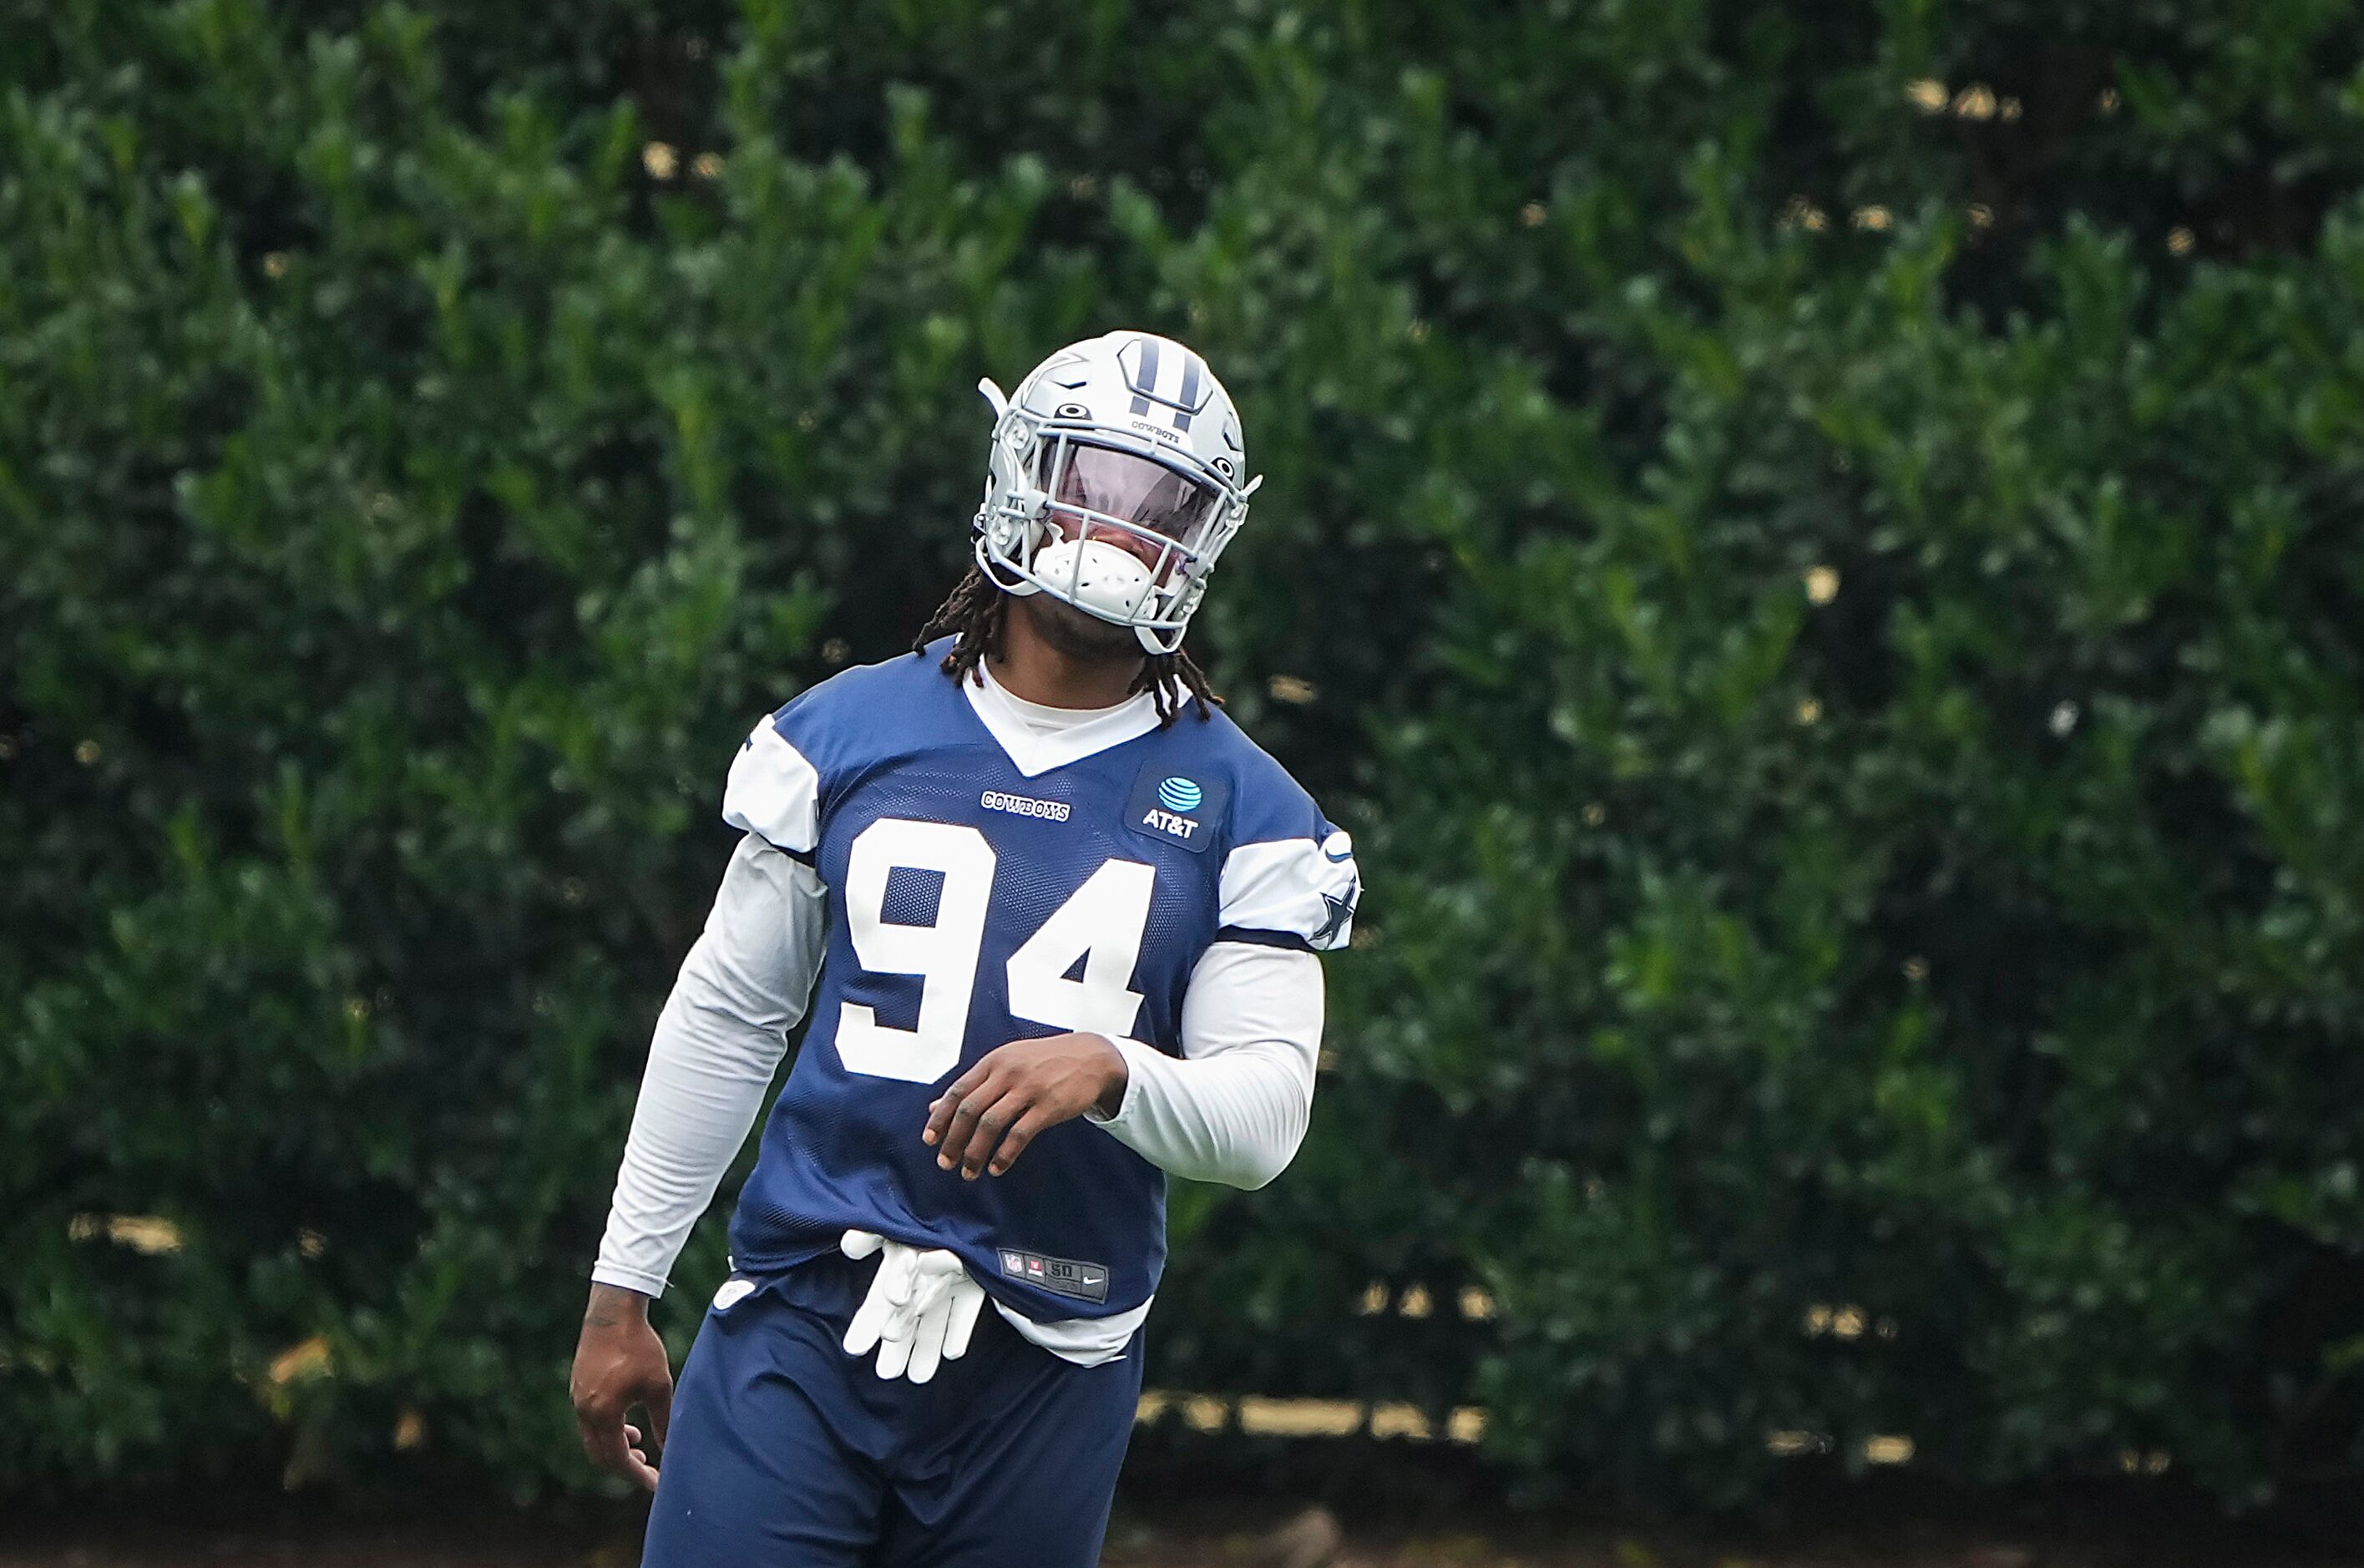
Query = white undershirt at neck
x=1042 y=720
x=1037 y=738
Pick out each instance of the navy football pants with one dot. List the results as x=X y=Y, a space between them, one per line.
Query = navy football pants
x=786 y=1452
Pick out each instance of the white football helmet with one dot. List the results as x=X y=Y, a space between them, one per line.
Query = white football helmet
x=1117 y=475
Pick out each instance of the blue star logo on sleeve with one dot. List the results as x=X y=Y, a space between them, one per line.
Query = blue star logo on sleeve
x=1337 y=912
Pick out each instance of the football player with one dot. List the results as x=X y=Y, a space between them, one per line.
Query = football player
x=1062 y=916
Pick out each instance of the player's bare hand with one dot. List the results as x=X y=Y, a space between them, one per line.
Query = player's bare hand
x=996 y=1108
x=620 y=1364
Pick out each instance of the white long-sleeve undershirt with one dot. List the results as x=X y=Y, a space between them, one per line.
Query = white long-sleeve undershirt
x=1231 y=1109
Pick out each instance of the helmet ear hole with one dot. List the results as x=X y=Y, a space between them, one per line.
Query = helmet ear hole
x=1224 y=467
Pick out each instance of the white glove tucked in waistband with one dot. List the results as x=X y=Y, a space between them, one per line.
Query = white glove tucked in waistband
x=921 y=1311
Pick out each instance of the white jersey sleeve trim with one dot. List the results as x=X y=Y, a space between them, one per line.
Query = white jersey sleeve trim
x=773 y=793
x=717 y=1042
x=1293 y=887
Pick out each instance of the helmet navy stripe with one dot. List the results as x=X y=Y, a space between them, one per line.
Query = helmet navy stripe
x=1191 y=367
x=1146 y=388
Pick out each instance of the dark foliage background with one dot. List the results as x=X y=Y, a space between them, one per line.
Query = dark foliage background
x=1815 y=546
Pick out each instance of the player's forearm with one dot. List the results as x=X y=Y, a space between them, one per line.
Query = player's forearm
x=1234 y=1108
x=707 y=1075
x=1236 y=1118
x=717 y=1044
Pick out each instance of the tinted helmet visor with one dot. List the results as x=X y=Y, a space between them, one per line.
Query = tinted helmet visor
x=1100 y=485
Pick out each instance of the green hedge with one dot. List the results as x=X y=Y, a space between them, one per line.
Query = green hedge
x=1816 y=546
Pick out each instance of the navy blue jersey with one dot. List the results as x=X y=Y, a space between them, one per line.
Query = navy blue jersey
x=989 y=885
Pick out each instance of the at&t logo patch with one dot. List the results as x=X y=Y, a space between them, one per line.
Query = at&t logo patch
x=1176 y=809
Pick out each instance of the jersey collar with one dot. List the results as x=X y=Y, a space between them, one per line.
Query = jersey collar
x=1034 y=755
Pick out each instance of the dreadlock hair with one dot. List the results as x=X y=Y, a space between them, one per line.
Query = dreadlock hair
x=976 y=613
